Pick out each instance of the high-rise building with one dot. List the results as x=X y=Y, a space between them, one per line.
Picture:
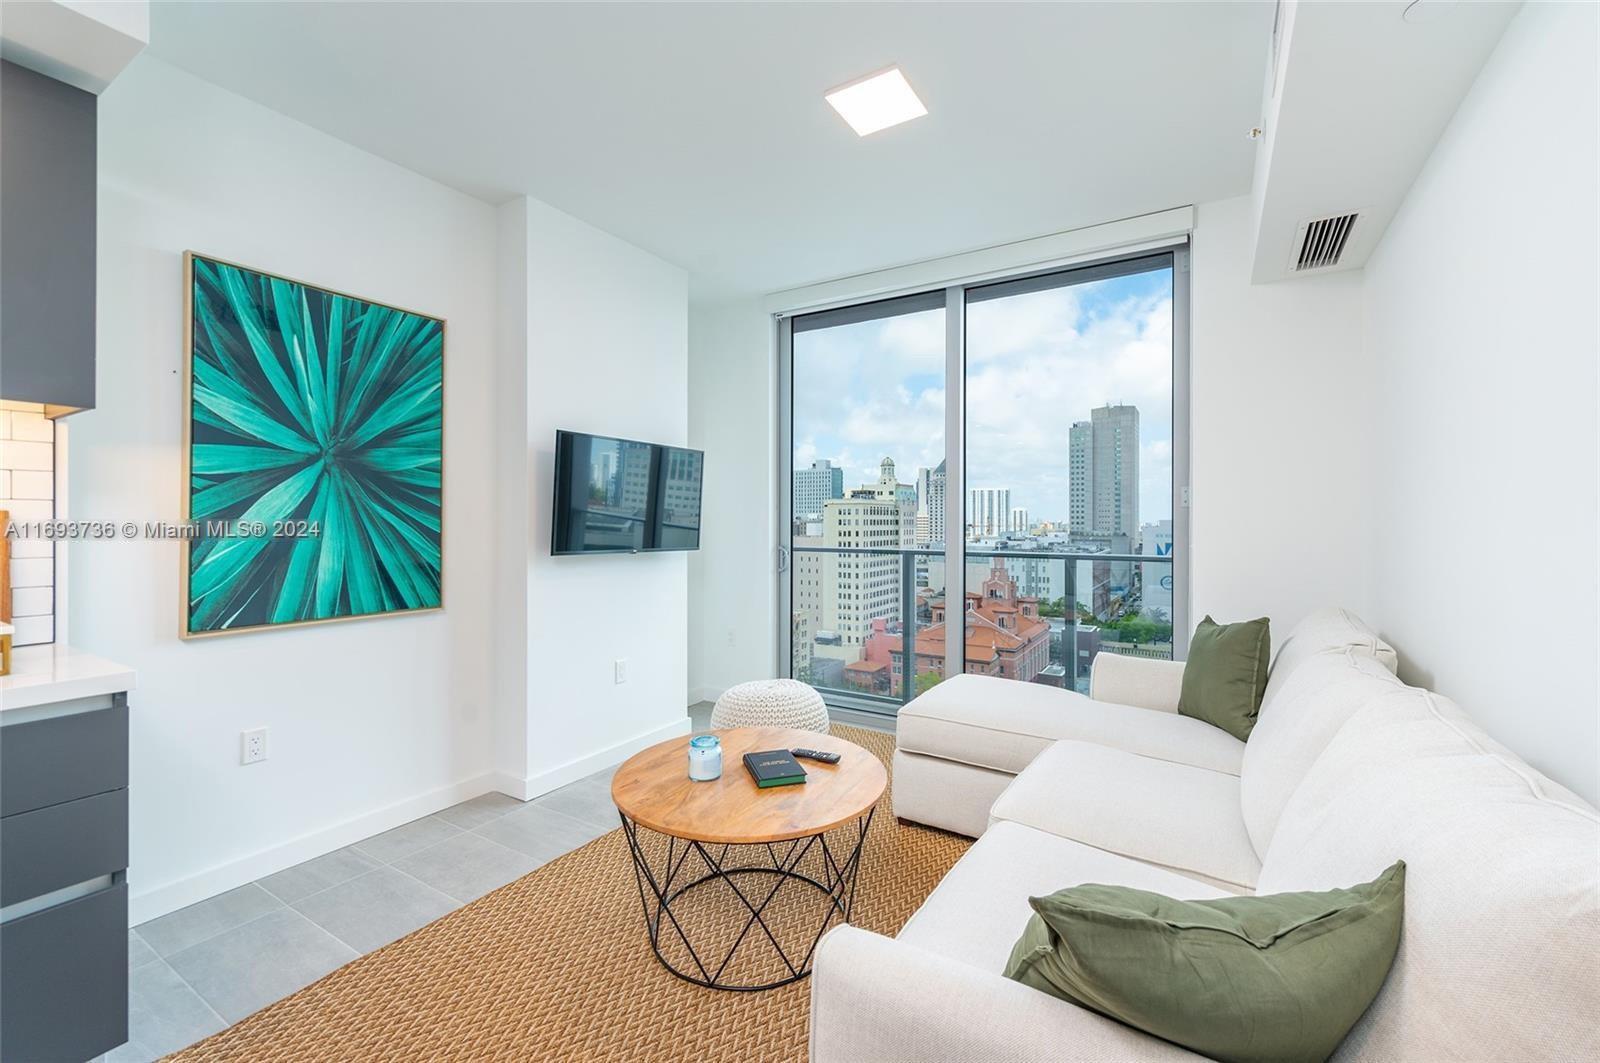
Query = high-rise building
x=988 y=512
x=1019 y=521
x=857 y=588
x=1080 y=474
x=1116 y=470
x=813 y=487
x=1103 y=464
x=930 y=505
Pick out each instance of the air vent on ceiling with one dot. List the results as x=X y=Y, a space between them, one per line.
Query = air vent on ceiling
x=1323 y=241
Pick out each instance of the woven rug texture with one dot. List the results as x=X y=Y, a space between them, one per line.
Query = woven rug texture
x=557 y=966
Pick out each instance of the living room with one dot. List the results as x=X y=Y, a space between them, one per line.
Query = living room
x=1214 y=362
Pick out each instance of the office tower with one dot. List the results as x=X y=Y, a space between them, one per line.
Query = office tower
x=813 y=487
x=1103 y=463
x=1080 y=472
x=1019 y=521
x=930 y=505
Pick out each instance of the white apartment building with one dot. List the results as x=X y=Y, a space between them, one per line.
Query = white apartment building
x=857 y=588
x=1020 y=525
x=988 y=512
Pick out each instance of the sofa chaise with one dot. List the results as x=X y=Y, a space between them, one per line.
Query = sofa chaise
x=1346 y=770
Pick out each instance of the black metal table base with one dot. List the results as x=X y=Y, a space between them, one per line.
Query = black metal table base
x=681 y=874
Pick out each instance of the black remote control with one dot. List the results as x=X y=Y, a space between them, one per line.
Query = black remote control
x=815 y=754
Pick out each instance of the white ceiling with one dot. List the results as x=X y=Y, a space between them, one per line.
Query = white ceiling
x=699 y=132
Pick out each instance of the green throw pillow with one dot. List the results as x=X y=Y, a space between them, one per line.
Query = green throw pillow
x=1276 y=978
x=1226 y=674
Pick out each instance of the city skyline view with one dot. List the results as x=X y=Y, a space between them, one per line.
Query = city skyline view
x=1037 y=363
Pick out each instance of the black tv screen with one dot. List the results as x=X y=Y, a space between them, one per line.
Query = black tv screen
x=622 y=496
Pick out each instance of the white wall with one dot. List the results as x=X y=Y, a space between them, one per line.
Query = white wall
x=1480 y=307
x=732 y=404
x=1282 y=456
x=607 y=352
x=372 y=722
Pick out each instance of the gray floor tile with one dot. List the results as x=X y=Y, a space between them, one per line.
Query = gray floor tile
x=478 y=811
x=467 y=866
x=313 y=876
x=194 y=924
x=587 y=799
x=700 y=716
x=248 y=967
x=368 y=912
x=164 y=1014
x=404 y=840
x=139 y=951
x=542 y=833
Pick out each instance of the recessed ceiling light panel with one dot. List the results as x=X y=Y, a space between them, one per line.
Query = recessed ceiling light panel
x=877 y=102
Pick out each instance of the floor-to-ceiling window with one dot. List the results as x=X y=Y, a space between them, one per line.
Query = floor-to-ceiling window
x=985 y=478
x=867 y=435
x=1069 y=454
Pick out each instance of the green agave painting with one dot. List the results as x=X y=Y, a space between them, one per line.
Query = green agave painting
x=315 y=453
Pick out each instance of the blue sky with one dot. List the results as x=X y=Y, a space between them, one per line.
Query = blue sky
x=1035 y=363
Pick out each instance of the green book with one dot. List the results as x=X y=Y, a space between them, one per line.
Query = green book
x=776 y=767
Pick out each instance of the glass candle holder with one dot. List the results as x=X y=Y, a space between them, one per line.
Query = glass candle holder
x=705 y=758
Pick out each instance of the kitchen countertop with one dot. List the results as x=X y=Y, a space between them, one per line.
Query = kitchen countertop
x=43 y=675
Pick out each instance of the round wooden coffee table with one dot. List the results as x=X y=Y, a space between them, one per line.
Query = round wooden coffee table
x=739 y=883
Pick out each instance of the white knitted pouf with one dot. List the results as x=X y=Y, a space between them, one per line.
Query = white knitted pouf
x=771 y=703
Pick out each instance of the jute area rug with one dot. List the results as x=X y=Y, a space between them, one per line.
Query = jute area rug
x=557 y=966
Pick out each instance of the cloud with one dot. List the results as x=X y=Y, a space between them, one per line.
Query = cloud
x=1035 y=363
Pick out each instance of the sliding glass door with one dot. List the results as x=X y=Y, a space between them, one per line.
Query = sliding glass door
x=867 y=428
x=985 y=478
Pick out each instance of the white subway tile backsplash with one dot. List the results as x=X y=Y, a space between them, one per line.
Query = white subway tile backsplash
x=32 y=601
x=28 y=484
x=28 y=510
x=33 y=630
x=33 y=427
x=31 y=547
x=26 y=455
x=32 y=571
x=27 y=493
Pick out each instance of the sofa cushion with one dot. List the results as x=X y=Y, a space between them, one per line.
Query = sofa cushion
x=1324 y=630
x=1502 y=922
x=1002 y=724
x=1174 y=815
x=1309 y=708
x=976 y=912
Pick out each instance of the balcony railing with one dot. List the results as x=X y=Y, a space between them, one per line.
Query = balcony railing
x=884 y=601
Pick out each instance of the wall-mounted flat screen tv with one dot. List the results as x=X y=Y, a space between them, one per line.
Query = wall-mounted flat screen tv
x=620 y=496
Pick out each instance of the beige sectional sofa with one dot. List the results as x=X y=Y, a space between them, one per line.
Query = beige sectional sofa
x=1347 y=770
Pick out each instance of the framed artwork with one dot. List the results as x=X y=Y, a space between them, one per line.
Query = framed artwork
x=313 y=454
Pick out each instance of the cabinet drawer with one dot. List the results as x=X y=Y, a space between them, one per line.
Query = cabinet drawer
x=61 y=845
x=64 y=979
x=46 y=762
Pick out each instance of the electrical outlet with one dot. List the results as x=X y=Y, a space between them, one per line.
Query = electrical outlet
x=620 y=669
x=253 y=746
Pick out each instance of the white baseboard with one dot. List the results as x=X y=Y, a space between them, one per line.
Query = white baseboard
x=148 y=903
x=579 y=767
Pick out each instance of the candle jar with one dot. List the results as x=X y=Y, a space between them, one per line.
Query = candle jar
x=705 y=758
